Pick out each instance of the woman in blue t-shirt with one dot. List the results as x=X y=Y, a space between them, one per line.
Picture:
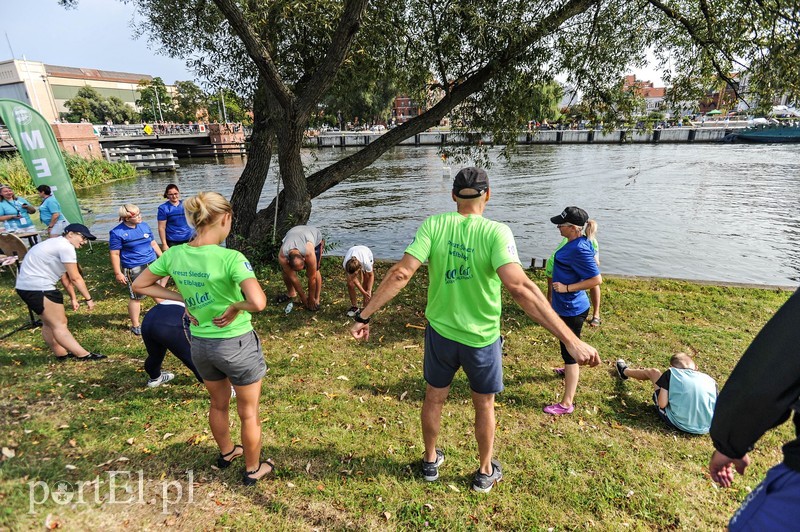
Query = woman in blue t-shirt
x=50 y=212
x=574 y=271
x=172 y=227
x=15 y=211
x=132 y=249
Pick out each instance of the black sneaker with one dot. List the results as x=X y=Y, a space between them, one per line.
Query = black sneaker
x=91 y=356
x=430 y=470
x=621 y=367
x=484 y=483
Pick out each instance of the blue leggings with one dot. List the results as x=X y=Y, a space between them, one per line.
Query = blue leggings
x=162 y=329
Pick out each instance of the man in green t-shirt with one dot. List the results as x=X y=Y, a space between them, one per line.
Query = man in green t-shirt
x=469 y=259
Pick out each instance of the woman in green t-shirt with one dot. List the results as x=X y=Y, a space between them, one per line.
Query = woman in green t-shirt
x=220 y=291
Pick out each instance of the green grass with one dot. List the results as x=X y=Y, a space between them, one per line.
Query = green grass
x=341 y=420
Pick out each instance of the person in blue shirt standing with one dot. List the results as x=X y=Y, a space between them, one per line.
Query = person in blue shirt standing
x=15 y=211
x=50 y=211
x=172 y=227
x=574 y=271
x=132 y=249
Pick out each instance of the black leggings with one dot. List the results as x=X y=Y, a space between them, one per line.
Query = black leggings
x=162 y=329
x=575 y=324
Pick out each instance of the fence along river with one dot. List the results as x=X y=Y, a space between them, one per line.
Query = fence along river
x=718 y=212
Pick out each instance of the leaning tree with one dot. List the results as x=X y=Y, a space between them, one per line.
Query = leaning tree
x=478 y=62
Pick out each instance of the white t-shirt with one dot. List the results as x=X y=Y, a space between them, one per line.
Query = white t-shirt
x=363 y=254
x=44 y=264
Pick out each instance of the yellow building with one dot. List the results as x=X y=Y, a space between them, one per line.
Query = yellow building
x=47 y=87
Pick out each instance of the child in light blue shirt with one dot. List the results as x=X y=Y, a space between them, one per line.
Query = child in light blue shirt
x=685 y=398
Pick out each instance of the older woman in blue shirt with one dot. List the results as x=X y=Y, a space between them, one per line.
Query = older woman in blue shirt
x=15 y=211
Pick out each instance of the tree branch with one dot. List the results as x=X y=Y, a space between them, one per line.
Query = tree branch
x=328 y=177
x=325 y=74
x=257 y=52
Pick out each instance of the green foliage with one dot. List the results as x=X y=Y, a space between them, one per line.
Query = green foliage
x=341 y=419
x=227 y=104
x=154 y=101
x=88 y=104
x=82 y=172
x=190 y=102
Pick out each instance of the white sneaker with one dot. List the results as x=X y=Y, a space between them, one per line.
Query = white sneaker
x=163 y=378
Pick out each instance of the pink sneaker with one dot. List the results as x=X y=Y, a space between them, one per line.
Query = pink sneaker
x=559 y=371
x=557 y=409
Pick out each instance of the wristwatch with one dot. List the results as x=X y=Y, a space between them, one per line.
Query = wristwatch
x=359 y=319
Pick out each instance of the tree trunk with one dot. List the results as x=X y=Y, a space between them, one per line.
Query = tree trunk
x=294 y=200
x=248 y=188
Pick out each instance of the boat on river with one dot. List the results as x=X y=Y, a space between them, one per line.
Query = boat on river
x=783 y=132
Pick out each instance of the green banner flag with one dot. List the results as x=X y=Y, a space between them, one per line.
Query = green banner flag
x=37 y=145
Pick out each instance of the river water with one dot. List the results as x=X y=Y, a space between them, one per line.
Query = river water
x=720 y=212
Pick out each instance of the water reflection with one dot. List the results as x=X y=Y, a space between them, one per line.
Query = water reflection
x=717 y=212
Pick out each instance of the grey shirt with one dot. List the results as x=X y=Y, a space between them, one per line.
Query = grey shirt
x=297 y=237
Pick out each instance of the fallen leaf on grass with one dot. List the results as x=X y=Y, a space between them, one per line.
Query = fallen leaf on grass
x=290 y=485
x=70 y=467
x=196 y=439
x=403 y=395
x=454 y=488
x=62 y=427
x=8 y=453
x=320 y=487
x=72 y=443
x=342 y=378
x=167 y=435
x=130 y=441
x=52 y=522
x=387 y=515
x=412 y=326
x=123 y=459
x=428 y=507
x=412 y=346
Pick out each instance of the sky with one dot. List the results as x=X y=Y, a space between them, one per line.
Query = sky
x=98 y=34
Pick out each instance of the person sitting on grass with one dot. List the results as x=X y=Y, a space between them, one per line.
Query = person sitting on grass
x=358 y=267
x=302 y=250
x=685 y=398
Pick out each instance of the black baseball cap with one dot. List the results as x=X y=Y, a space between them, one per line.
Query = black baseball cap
x=571 y=215
x=470 y=179
x=81 y=229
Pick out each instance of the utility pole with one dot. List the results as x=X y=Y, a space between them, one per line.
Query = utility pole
x=224 y=111
x=158 y=101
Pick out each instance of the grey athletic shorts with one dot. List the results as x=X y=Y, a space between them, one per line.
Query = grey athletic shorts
x=443 y=357
x=130 y=275
x=238 y=358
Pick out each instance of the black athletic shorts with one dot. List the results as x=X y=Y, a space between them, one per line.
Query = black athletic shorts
x=35 y=298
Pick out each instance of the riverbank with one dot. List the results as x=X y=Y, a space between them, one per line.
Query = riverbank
x=341 y=420
x=84 y=173
x=345 y=139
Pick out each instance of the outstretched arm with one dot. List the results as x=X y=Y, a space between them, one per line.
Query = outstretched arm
x=530 y=298
x=396 y=279
x=761 y=391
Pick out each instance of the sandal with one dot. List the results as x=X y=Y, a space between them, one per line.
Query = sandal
x=594 y=322
x=223 y=462
x=283 y=298
x=249 y=480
